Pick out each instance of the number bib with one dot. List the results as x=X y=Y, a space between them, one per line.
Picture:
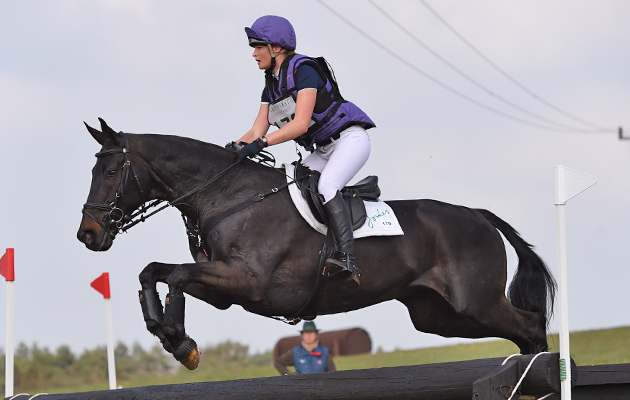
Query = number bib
x=282 y=111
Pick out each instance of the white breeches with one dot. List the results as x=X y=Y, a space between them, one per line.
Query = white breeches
x=339 y=161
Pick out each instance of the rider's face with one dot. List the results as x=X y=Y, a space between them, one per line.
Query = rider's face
x=262 y=56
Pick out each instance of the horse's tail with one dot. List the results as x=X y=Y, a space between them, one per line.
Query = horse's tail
x=533 y=287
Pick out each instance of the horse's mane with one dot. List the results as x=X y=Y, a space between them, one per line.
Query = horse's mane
x=174 y=140
x=204 y=155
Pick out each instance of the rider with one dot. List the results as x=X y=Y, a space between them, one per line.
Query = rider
x=301 y=98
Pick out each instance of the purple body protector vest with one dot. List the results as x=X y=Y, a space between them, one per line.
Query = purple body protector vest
x=331 y=115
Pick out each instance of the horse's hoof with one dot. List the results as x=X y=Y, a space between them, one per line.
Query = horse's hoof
x=192 y=361
x=187 y=353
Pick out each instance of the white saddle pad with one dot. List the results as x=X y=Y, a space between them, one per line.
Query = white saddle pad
x=380 y=221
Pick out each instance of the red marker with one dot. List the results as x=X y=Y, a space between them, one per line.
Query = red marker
x=7 y=265
x=101 y=285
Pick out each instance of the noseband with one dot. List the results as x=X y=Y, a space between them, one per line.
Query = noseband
x=116 y=216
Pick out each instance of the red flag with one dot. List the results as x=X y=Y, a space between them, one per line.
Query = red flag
x=101 y=284
x=6 y=265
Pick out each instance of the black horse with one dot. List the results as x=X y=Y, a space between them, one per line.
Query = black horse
x=449 y=268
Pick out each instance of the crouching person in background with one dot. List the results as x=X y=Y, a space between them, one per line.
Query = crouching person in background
x=309 y=356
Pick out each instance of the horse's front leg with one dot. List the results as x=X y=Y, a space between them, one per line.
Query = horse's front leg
x=231 y=277
x=150 y=299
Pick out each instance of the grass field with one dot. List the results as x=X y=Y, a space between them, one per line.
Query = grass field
x=609 y=346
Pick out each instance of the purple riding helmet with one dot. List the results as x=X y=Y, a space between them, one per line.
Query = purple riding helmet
x=273 y=30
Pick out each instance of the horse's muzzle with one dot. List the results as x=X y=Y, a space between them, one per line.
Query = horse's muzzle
x=93 y=236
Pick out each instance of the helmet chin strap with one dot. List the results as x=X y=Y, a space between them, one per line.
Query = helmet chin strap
x=273 y=65
x=273 y=59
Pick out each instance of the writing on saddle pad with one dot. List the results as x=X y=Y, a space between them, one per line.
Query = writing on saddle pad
x=380 y=221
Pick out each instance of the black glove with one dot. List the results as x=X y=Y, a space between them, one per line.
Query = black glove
x=252 y=149
x=231 y=146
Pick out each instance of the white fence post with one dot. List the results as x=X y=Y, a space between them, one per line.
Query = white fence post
x=7 y=270
x=568 y=184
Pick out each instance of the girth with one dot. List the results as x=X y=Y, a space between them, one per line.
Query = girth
x=367 y=189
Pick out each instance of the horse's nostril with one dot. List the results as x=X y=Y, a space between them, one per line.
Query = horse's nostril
x=87 y=237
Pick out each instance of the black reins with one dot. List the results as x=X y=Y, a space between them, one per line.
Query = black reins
x=123 y=222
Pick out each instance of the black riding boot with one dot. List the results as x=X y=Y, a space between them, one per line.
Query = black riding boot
x=342 y=264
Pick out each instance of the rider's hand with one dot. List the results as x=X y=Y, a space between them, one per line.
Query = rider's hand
x=235 y=147
x=252 y=149
x=231 y=146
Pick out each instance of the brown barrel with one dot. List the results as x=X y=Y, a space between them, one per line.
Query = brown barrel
x=340 y=343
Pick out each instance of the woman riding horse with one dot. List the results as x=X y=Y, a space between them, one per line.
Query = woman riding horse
x=449 y=268
x=303 y=101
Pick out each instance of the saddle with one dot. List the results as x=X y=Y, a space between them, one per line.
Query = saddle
x=365 y=190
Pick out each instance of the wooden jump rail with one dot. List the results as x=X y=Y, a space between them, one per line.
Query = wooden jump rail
x=484 y=379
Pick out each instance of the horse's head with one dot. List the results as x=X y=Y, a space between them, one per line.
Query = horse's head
x=116 y=189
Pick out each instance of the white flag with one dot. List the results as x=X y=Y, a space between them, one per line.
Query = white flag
x=569 y=183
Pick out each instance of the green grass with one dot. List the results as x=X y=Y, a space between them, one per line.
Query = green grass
x=609 y=346
x=606 y=346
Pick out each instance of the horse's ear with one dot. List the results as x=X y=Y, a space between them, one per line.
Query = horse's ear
x=99 y=136
x=115 y=137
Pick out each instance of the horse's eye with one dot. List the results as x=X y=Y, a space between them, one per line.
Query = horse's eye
x=111 y=172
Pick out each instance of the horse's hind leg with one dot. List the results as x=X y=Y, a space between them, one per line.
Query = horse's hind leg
x=430 y=313
x=150 y=299
x=528 y=330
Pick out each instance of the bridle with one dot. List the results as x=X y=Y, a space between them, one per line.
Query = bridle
x=117 y=216
x=123 y=222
